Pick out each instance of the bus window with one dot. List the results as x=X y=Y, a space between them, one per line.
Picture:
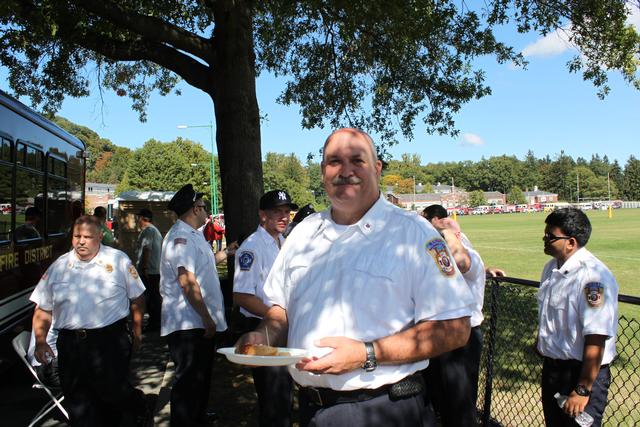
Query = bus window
x=58 y=220
x=6 y=171
x=29 y=194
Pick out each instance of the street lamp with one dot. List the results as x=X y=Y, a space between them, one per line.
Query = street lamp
x=213 y=186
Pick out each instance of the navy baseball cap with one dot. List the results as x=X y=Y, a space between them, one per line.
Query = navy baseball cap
x=274 y=198
x=183 y=200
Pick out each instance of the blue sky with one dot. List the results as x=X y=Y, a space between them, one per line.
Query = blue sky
x=544 y=108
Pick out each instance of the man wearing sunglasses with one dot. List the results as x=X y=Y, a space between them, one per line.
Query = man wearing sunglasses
x=578 y=318
x=192 y=307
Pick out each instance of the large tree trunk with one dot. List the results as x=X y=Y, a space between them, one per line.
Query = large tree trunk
x=237 y=117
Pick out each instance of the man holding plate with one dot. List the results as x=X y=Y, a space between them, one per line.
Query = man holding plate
x=370 y=291
x=252 y=265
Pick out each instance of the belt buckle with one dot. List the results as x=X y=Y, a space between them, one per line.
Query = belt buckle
x=316 y=393
x=82 y=333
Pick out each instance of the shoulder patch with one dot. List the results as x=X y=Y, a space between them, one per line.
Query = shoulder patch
x=245 y=260
x=594 y=294
x=109 y=268
x=133 y=271
x=179 y=241
x=438 y=251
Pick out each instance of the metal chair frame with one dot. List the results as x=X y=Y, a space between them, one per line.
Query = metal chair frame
x=21 y=345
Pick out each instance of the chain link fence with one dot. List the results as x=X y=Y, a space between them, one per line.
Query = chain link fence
x=510 y=372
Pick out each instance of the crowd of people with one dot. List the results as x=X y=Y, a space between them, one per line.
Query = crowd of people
x=387 y=304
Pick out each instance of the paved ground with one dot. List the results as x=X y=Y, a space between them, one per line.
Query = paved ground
x=232 y=395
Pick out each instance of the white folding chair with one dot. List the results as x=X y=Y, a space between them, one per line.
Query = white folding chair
x=21 y=345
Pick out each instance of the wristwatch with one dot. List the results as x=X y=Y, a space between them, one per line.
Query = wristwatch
x=371 y=363
x=582 y=390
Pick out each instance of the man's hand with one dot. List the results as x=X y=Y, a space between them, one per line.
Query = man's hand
x=495 y=272
x=575 y=404
x=232 y=248
x=209 y=327
x=43 y=353
x=347 y=355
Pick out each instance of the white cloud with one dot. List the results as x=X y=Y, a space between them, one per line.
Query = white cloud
x=552 y=44
x=471 y=139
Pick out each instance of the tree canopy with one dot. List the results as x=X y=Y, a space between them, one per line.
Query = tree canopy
x=377 y=65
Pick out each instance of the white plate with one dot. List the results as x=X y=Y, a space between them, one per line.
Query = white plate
x=245 y=359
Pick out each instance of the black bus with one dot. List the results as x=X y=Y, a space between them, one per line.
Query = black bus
x=42 y=174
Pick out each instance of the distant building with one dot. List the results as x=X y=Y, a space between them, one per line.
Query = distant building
x=99 y=194
x=495 y=198
x=536 y=196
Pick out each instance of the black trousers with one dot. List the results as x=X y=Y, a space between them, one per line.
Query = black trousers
x=561 y=376
x=274 y=388
x=380 y=411
x=452 y=381
x=192 y=355
x=94 y=371
x=153 y=299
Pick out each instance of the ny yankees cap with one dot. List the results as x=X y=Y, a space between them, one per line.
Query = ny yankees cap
x=274 y=198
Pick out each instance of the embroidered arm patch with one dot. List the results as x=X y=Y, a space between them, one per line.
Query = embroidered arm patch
x=179 y=241
x=594 y=293
x=245 y=260
x=133 y=271
x=438 y=251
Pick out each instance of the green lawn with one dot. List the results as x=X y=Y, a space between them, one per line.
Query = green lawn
x=513 y=242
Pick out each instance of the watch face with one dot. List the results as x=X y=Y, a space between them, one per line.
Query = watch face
x=582 y=390
x=369 y=366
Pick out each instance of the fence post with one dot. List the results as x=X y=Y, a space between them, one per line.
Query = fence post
x=493 y=323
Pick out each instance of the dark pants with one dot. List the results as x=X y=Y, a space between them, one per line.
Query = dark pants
x=274 y=388
x=561 y=376
x=153 y=299
x=452 y=380
x=380 y=411
x=192 y=355
x=94 y=370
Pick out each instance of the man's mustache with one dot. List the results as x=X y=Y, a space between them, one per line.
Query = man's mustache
x=350 y=180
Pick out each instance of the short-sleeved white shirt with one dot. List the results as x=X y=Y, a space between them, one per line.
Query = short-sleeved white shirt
x=88 y=294
x=184 y=246
x=365 y=281
x=475 y=278
x=253 y=262
x=580 y=298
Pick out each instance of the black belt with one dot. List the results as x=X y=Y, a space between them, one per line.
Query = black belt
x=84 y=333
x=407 y=387
x=566 y=363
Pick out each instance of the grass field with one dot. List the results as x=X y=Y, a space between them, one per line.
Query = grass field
x=513 y=242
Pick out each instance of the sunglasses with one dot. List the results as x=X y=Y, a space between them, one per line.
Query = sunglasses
x=552 y=237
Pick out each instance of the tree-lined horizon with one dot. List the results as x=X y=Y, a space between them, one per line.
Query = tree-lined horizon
x=166 y=166
x=377 y=65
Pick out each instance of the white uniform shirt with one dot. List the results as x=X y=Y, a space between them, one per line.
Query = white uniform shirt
x=254 y=259
x=184 y=246
x=578 y=299
x=475 y=278
x=88 y=294
x=365 y=281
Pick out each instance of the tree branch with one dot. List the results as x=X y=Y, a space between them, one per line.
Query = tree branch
x=192 y=71
x=152 y=28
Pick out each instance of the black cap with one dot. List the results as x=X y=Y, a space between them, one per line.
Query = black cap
x=183 y=200
x=145 y=213
x=274 y=198
x=304 y=212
